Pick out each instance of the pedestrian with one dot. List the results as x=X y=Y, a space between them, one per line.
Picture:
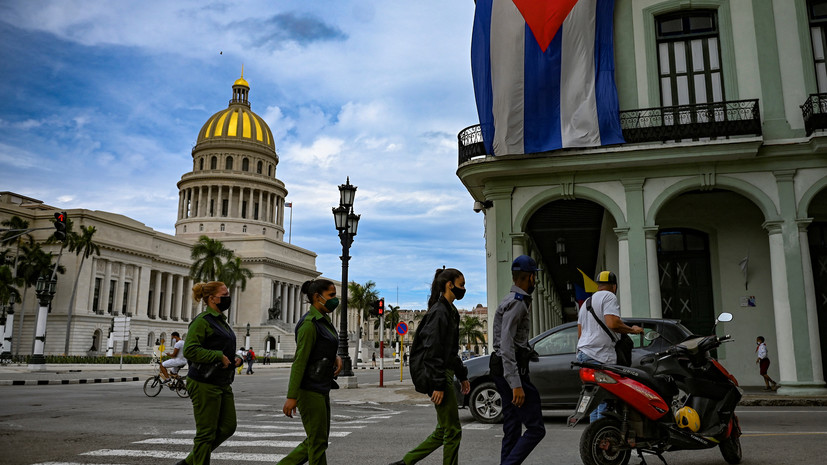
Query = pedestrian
x=242 y=354
x=763 y=362
x=509 y=365
x=266 y=357
x=315 y=366
x=373 y=359
x=434 y=362
x=251 y=359
x=210 y=351
x=594 y=345
x=405 y=358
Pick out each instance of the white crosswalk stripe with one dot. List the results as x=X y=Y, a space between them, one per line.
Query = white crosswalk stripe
x=259 y=438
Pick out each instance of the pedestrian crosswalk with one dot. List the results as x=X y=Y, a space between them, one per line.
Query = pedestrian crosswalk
x=259 y=438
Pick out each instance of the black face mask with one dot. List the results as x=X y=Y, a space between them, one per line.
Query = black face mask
x=225 y=303
x=530 y=289
x=459 y=292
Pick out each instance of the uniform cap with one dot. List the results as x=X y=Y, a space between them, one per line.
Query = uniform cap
x=524 y=263
x=606 y=277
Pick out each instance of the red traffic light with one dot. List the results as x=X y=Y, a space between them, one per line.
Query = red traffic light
x=60 y=226
x=380 y=310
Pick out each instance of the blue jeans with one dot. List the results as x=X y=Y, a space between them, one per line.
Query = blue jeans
x=516 y=445
x=596 y=414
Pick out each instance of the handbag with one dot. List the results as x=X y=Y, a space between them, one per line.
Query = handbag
x=623 y=343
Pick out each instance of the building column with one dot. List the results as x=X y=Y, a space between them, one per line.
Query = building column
x=624 y=287
x=209 y=202
x=240 y=201
x=117 y=301
x=297 y=305
x=142 y=291
x=250 y=205
x=635 y=272
x=220 y=204
x=166 y=310
x=156 y=297
x=179 y=298
x=192 y=309
x=90 y=296
x=287 y=303
x=260 y=205
x=810 y=298
x=653 y=271
x=105 y=286
x=131 y=306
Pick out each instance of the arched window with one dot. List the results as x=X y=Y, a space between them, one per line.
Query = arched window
x=150 y=339
x=214 y=163
x=185 y=228
x=228 y=165
x=222 y=226
x=244 y=228
x=269 y=170
x=201 y=227
x=263 y=231
x=201 y=165
x=96 y=341
x=245 y=165
x=259 y=167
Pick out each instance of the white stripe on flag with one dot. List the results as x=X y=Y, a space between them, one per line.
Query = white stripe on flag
x=579 y=125
x=508 y=76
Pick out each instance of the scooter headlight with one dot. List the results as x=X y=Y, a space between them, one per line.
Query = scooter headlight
x=603 y=378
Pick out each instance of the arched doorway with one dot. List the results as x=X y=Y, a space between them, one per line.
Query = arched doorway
x=817 y=238
x=686 y=278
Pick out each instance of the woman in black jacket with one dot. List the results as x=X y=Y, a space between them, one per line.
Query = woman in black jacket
x=435 y=361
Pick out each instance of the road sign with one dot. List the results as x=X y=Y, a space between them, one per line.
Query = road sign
x=120 y=328
x=401 y=328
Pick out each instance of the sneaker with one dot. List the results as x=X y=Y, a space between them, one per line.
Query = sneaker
x=400 y=462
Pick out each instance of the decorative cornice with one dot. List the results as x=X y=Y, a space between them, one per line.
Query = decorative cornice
x=773 y=227
x=622 y=233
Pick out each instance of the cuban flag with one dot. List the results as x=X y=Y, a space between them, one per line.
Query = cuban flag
x=544 y=74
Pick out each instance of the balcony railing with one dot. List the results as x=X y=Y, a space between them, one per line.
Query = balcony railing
x=814 y=111
x=681 y=122
x=697 y=121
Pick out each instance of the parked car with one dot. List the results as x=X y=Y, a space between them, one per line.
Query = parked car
x=558 y=383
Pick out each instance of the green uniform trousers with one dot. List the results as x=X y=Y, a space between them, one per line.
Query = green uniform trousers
x=448 y=432
x=314 y=409
x=214 y=410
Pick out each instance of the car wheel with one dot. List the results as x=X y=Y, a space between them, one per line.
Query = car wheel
x=485 y=403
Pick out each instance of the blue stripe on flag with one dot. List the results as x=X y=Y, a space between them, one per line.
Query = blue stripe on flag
x=608 y=108
x=481 y=71
x=541 y=110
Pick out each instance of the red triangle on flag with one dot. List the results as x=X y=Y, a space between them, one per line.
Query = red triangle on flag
x=544 y=17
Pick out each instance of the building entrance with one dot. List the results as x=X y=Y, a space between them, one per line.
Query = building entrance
x=817 y=236
x=685 y=278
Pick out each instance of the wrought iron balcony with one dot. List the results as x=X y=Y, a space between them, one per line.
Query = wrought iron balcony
x=815 y=112
x=697 y=121
x=681 y=122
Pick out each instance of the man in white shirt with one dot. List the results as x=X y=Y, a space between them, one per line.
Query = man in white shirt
x=176 y=360
x=594 y=344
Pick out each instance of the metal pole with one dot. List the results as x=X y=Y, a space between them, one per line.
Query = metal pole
x=347 y=367
x=382 y=350
x=290 y=234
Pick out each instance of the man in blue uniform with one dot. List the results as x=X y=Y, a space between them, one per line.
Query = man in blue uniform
x=509 y=366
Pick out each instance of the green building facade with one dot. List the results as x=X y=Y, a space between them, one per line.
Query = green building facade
x=717 y=202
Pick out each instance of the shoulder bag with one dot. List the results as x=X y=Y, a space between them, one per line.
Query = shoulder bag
x=623 y=344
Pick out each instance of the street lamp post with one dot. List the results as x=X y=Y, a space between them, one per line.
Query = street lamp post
x=346 y=223
x=45 y=291
x=247 y=337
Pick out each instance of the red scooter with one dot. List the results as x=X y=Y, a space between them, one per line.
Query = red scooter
x=679 y=399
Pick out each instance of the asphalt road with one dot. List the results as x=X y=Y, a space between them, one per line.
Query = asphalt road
x=117 y=424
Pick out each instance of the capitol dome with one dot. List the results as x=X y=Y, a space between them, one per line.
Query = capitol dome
x=237 y=121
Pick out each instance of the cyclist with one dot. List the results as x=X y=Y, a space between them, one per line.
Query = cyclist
x=176 y=360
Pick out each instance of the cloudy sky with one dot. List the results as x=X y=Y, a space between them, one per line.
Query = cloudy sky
x=102 y=102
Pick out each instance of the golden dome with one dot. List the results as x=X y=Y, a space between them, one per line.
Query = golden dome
x=241 y=82
x=237 y=121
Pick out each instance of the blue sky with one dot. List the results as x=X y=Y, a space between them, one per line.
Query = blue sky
x=102 y=103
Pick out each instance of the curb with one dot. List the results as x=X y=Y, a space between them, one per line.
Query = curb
x=376 y=368
x=44 y=382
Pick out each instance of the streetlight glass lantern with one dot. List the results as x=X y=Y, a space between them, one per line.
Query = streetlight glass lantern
x=41 y=285
x=352 y=223
x=347 y=192
x=340 y=217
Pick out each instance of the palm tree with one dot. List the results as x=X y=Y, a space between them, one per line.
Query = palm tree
x=80 y=244
x=470 y=331
x=208 y=255
x=33 y=263
x=14 y=223
x=8 y=285
x=233 y=273
x=360 y=298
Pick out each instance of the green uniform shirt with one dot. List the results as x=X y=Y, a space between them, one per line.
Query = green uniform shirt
x=305 y=340
x=199 y=330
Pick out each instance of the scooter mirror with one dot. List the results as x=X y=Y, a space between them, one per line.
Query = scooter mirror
x=725 y=317
x=651 y=335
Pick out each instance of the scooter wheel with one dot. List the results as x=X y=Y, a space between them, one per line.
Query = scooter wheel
x=731 y=449
x=602 y=444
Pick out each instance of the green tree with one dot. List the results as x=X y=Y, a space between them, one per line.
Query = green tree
x=234 y=274
x=470 y=331
x=82 y=245
x=209 y=255
x=391 y=320
x=360 y=298
x=32 y=264
x=8 y=286
x=15 y=237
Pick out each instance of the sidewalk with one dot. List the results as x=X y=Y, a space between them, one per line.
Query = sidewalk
x=394 y=390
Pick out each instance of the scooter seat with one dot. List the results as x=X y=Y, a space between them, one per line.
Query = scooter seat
x=662 y=384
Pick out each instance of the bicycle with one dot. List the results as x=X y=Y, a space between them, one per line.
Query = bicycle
x=153 y=385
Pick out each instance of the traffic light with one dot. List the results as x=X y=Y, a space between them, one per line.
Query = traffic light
x=60 y=226
x=380 y=309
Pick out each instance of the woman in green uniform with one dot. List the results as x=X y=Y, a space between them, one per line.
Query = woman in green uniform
x=433 y=364
x=311 y=376
x=210 y=350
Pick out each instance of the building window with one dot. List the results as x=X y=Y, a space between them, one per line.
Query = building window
x=270 y=170
x=222 y=226
x=110 y=304
x=244 y=228
x=125 y=298
x=259 y=167
x=263 y=231
x=228 y=164
x=201 y=165
x=244 y=209
x=150 y=339
x=201 y=227
x=213 y=163
x=185 y=228
x=817 y=10
x=245 y=165
x=149 y=306
x=689 y=61
x=97 y=294
x=212 y=205
x=255 y=211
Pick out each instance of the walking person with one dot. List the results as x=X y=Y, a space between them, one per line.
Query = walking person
x=373 y=359
x=435 y=361
x=763 y=362
x=312 y=375
x=509 y=365
x=242 y=354
x=593 y=342
x=251 y=359
x=210 y=350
